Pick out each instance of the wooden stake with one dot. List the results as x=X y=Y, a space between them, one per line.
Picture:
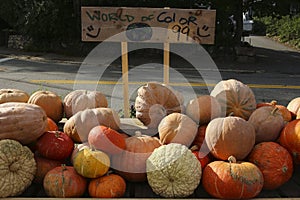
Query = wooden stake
x=166 y=62
x=124 y=51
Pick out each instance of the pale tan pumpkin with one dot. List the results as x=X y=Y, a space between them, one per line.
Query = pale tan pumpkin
x=80 y=124
x=155 y=101
x=203 y=109
x=18 y=168
x=230 y=136
x=22 y=121
x=177 y=128
x=236 y=98
x=294 y=105
x=173 y=171
x=79 y=100
x=50 y=102
x=13 y=95
x=268 y=122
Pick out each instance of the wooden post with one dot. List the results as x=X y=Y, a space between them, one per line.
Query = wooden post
x=166 y=62
x=124 y=51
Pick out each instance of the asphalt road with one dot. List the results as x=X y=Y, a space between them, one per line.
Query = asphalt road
x=274 y=72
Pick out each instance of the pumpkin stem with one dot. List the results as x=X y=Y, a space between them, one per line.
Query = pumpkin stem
x=138 y=133
x=232 y=159
x=231 y=114
x=273 y=102
x=194 y=147
x=274 y=111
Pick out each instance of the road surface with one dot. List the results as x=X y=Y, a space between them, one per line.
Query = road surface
x=273 y=74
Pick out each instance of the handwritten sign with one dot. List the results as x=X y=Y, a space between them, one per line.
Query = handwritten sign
x=124 y=24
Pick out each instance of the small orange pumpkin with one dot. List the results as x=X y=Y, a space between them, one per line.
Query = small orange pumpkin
x=274 y=161
x=51 y=125
x=286 y=114
x=50 y=102
x=106 y=139
x=232 y=180
x=290 y=139
x=63 y=181
x=108 y=186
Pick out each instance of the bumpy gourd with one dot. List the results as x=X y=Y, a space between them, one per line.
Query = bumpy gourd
x=17 y=168
x=22 y=122
x=155 y=101
x=173 y=171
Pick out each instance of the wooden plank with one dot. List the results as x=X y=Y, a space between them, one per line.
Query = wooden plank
x=124 y=51
x=166 y=62
x=148 y=25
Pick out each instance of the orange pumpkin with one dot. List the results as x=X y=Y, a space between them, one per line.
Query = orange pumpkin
x=274 y=161
x=43 y=166
x=63 y=181
x=50 y=102
x=232 y=180
x=235 y=98
x=108 y=186
x=13 y=95
x=200 y=137
x=203 y=109
x=286 y=114
x=268 y=122
x=177 y=128
x=131 y=163
x=230 y=136
x=51 y=125
x=106 y=139
x=290 y=139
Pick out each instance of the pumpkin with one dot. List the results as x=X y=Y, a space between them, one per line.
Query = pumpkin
x=51 y=125
x=203 y=157
x=131 y=163
x=64 y=182
x=108 y=186
x=294 y=105
x=44 y=165
x=199 y=139
x=106 y=139
x=268 y=122
x=55 y=145
x=275 y=163
x=232 y=180
x=235 y=98
x=79 y=100
x=228 y=136
x=290 y=139
x=286 y=114
x=154 y=101
x=13 y=95
x=173 y=171
x=80 y=124
x=203 y=109
x=50 y=102
x=91 y=163
x=18 y=168
x=22 y=121
x=177 y=128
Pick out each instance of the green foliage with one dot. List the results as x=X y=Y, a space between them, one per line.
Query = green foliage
x=286 y=28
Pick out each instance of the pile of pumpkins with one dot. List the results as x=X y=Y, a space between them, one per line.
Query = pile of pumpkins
x=225 y=142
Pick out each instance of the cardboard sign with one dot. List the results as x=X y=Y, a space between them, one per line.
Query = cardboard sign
x=124 y=24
